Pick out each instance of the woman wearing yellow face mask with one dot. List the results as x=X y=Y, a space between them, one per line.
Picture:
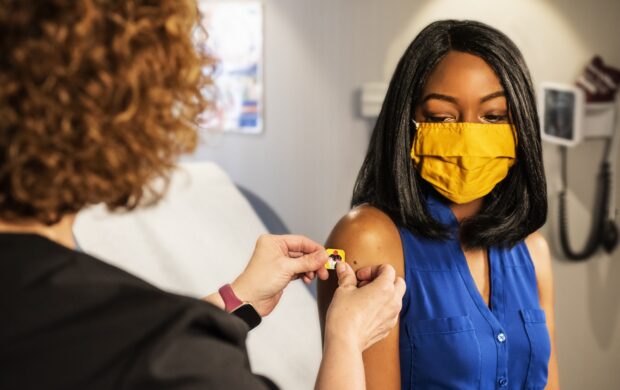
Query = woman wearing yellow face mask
x=452 y=193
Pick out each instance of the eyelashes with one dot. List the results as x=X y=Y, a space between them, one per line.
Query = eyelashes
x=489 y=118
x=495 y=118
x=439 y=119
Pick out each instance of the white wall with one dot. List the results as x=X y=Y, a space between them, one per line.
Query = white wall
x=318 y=53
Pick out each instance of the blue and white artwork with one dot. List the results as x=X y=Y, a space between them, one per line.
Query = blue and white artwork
x=235 y=42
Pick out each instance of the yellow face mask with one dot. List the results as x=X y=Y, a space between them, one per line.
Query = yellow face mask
x=464 y=161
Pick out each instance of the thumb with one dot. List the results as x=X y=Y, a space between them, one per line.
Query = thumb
x=385 y=273
x=308 y=263
x=346 y=276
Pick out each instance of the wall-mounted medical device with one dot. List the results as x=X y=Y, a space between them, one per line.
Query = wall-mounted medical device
x=371 y=99
x=562 y=113
x=570 y=115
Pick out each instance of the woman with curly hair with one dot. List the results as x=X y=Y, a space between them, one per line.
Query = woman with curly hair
x=97 y=100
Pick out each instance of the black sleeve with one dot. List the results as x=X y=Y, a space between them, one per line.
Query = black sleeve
x=198 y=351
x=70 y=321
x=193 y=362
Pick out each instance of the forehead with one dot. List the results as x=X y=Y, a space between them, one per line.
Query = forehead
x=462 y=74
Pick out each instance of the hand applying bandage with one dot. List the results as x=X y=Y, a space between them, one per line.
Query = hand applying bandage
x=276 y=261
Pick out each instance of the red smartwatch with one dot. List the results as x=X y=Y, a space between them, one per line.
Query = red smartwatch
x=236 y=306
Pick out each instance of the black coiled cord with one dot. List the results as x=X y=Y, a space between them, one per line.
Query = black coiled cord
x=604 y=231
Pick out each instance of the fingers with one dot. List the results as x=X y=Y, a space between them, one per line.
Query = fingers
x=385 y=273
x=295 y=254
x=323 y=273
x=381 y=274
x=362 y=283
x=297 y=243
x=346 y=276
x=307 y=263
x=367 y=273
x=370 y=273
x=308 y=277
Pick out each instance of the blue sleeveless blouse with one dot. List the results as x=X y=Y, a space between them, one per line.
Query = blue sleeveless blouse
x=449 y=337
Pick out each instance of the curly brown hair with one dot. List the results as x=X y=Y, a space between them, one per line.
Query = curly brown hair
x=97 y=99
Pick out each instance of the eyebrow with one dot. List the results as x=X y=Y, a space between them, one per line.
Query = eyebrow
x=439 y=96
x=452 y=99
x=492 y=96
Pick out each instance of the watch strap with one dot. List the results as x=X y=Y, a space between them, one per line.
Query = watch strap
x=231 y=301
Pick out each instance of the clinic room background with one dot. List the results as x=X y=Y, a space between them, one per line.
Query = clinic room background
x=317 y=56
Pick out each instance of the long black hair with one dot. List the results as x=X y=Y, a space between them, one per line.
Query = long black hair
x=388 y=180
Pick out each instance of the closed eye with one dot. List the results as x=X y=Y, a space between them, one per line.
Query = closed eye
x=439 y=118
x=491 y=118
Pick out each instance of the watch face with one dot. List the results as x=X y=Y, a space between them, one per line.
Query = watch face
x=248 y=314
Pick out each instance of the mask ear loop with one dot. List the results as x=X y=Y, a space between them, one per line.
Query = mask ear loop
x=414 y=130
x=413 y=134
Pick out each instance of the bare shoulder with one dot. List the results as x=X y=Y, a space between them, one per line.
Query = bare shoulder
x=539 y=250
x=537 y=245
x=368 y=237
x=541 y=257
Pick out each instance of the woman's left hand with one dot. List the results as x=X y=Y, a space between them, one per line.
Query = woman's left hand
x=275 y=262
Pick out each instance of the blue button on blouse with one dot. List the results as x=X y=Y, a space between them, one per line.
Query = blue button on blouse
x=449 y=337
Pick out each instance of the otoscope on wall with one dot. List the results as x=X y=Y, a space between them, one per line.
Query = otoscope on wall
x=568 y=116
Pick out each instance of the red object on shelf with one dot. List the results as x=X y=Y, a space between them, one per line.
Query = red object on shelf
x=599 y=81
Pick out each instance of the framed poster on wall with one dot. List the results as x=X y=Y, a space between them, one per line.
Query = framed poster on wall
x=234 y=39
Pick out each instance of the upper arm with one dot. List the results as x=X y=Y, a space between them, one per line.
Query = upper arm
x=368 y=237
x=541 y=257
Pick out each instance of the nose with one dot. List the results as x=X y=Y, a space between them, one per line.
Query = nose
x=470 y=116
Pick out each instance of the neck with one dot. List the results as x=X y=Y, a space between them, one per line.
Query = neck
x=466 y=210
x=61 y=232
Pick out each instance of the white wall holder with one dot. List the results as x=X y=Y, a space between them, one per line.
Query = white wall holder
x=371 y=99
x=599 y=120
